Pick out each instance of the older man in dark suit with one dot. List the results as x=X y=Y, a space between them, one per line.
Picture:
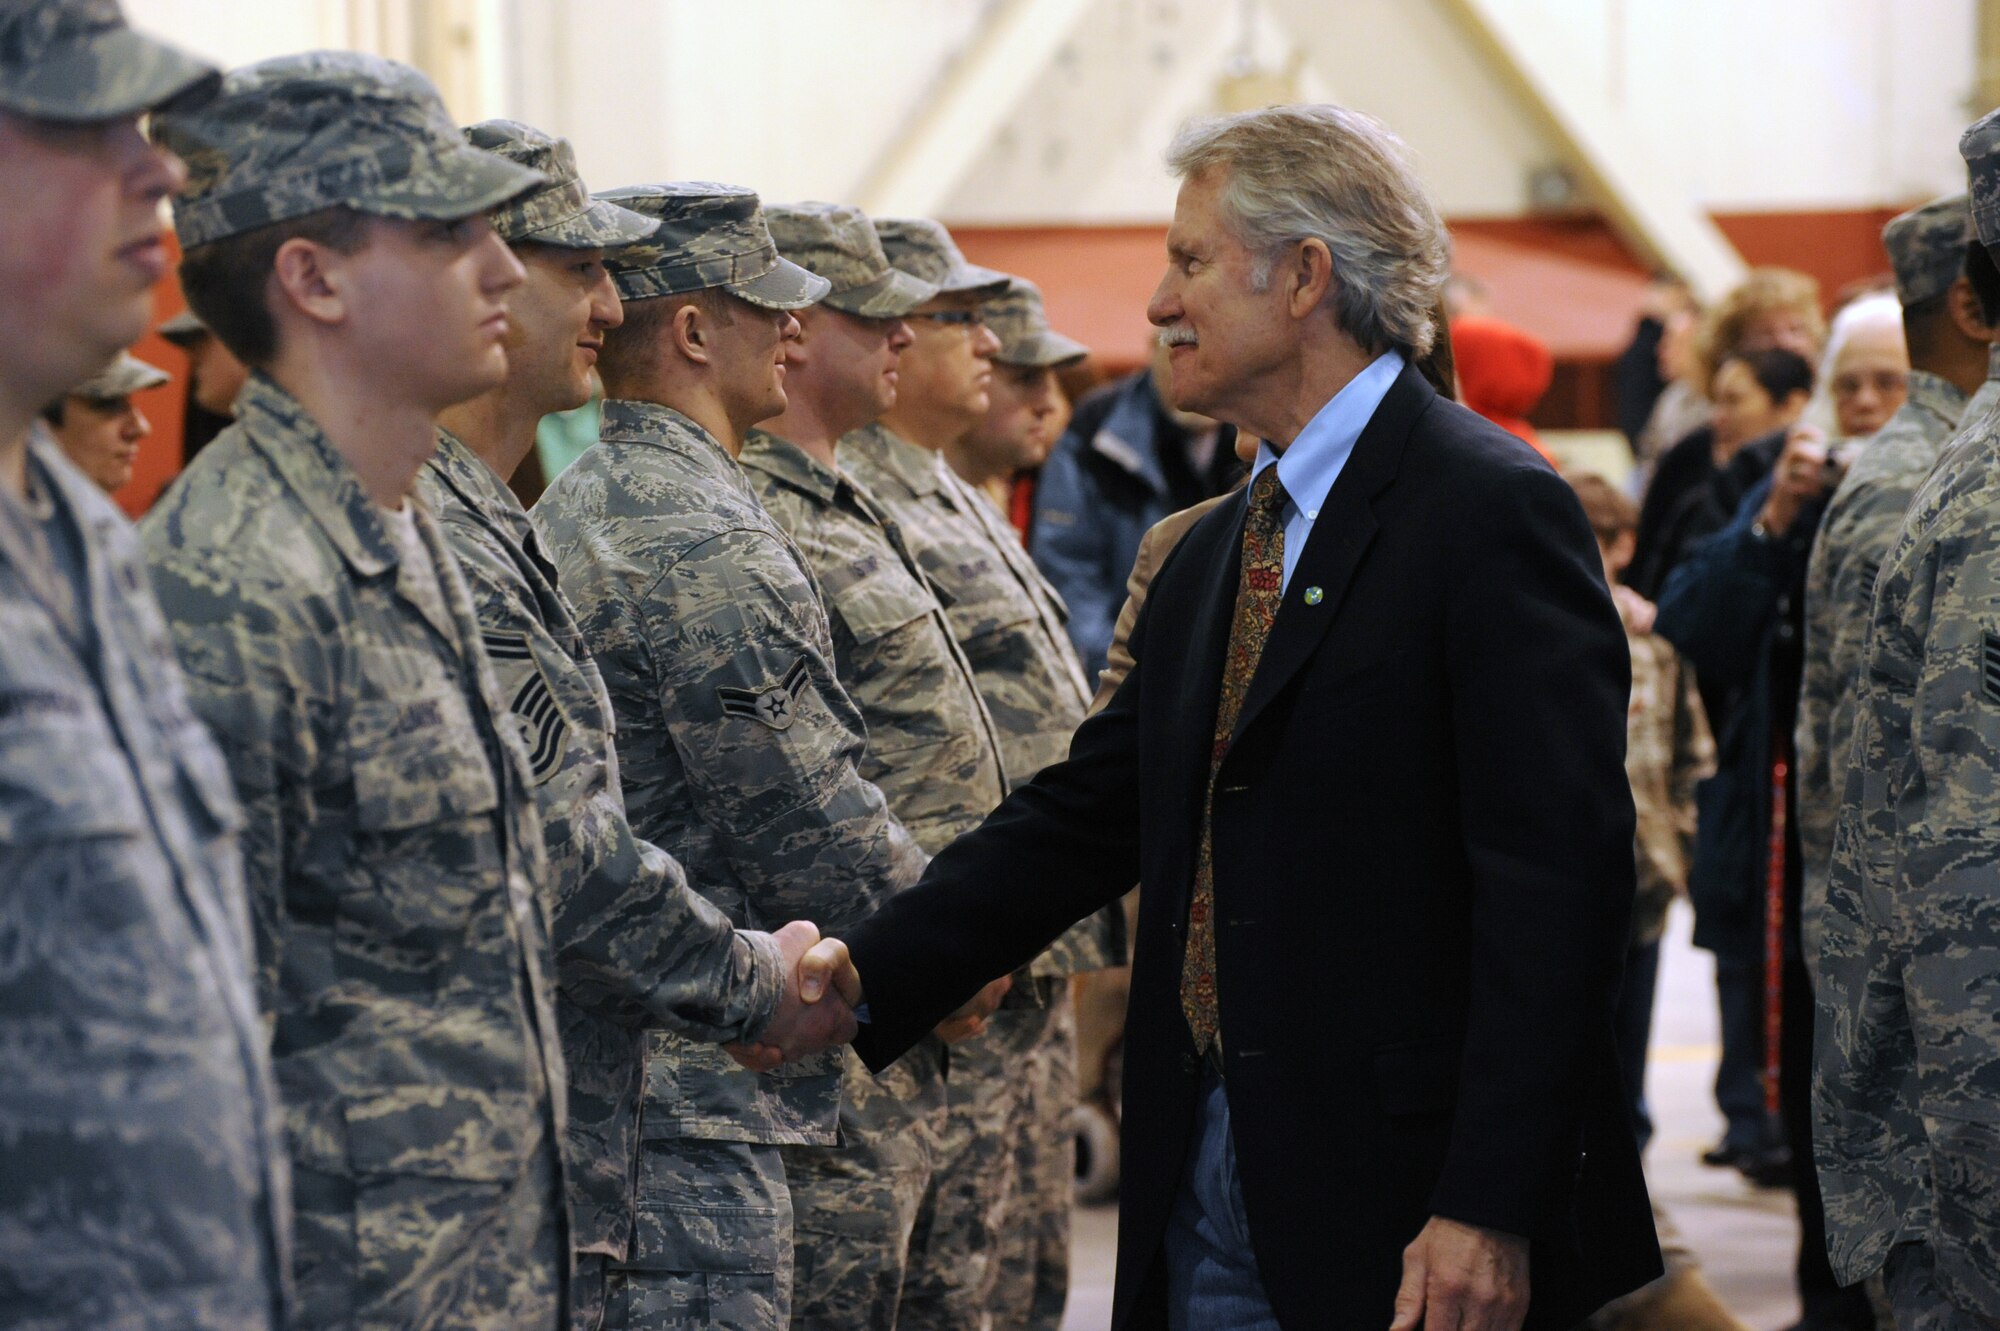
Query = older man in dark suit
x=1368 y=765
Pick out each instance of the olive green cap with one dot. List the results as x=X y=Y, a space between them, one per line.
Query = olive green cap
x=561 y=211
x=707 y=235
x=124 y=376
x=324 y=129
x=924 y=249
x=1022 y=325
x=838 y=242
x=77 y=61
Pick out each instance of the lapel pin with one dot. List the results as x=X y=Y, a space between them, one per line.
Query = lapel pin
x=1314 y=596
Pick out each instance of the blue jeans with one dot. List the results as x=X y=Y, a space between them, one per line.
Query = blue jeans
x=1212 y=1281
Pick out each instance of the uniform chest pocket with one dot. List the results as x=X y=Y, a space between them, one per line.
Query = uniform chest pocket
x=416 y=762
x=983 y=619
x=875 y=606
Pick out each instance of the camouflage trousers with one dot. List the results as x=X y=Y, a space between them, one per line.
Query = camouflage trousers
x=711 y=1245
x=1919 y=1302
x=992 y=1241
x=856 y=1203
x=390 y=1251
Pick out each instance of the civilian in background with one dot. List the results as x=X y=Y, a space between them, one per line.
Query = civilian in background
x=1756 y=396
x=1682 y=406
x=1771 y=308
x=1127 y=460
x=99 y=426
x=1503 y=372
x=1735 y=609
x=1640 y=374
x=1667 y=750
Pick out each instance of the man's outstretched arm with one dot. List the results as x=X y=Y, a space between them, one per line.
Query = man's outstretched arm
x=1059 y=848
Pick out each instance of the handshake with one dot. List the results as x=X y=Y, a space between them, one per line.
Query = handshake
x=822 y=991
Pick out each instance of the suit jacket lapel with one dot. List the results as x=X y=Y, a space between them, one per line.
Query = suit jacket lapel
x=1340 y=537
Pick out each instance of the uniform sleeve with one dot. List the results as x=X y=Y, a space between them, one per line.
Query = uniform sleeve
x=633 y=941
x=1074 y=553
x=769 y=740
x=1947 y=893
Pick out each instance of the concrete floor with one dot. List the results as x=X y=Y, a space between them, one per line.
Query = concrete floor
x=1745 y=1237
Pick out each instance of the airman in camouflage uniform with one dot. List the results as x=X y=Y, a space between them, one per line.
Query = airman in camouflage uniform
x=1927 y=250
x=392 y=852
x=143 y=1184
x=97 y=424
x=1009 y=622
x=636 y=949
x=739 y=749
x=932 y=749
x=1907 y=1069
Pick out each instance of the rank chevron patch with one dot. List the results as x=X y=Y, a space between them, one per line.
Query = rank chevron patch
x=538 y=719
x=775 y=705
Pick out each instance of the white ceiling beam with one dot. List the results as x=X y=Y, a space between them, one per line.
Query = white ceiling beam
x=971 y=102
x=1658 y=214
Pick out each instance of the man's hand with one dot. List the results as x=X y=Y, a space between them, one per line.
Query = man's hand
x=808 y=1018
x=970 y=1020
x=1798 y=478
x=1462 y=1278
x=1637 y=612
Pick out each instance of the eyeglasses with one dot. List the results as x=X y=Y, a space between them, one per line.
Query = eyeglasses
x=955 y=318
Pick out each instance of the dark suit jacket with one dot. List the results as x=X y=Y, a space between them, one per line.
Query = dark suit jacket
x=1423 y=851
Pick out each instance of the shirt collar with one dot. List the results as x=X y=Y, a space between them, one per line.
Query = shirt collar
x=1310 y=466
x=916 y=468
x=785 y=461
x=1929 y=392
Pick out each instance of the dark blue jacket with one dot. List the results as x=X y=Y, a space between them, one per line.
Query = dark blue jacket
x=1103 y=487
x=1734 y=610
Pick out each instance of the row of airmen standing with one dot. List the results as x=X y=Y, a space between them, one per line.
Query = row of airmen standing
x=407 y=915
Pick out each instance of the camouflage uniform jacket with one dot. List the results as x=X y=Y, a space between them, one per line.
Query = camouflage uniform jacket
x=392 y=856
x=142 y=1176
x=739 y=750
x=636 y=947
x=931 y=745
x=1668 y=751
x=1010 y=623
x=1855 y=536
x=1906 y=1095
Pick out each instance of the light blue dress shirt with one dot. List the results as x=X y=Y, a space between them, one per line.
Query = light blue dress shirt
x=1315 y=459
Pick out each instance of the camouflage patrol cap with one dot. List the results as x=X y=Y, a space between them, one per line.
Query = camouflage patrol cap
x=124 y=376
x=924 y=249
x=303 y=133
x=561 y=212
x=1980 y=147
x=1022 y=325
x=838 y=242
x=184 y=329
x=76 y=61
x=1927 y=247
x=708 y=235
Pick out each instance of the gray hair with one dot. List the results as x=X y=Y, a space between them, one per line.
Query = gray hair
x=1318 y=172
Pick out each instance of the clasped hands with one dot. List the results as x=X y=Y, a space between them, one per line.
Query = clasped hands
x=822 y=990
